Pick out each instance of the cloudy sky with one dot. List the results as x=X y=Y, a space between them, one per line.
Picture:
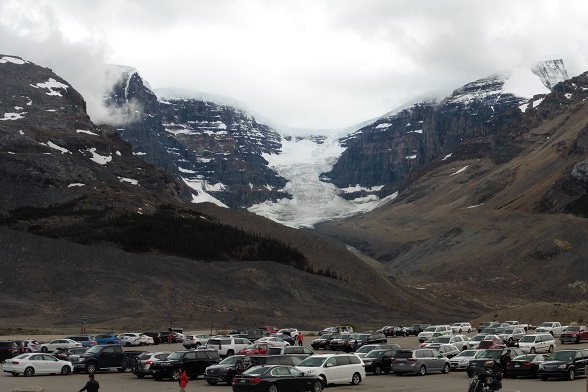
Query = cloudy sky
x=303 y=64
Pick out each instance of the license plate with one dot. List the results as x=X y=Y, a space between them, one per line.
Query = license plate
x=242 y=381
x=517 y=365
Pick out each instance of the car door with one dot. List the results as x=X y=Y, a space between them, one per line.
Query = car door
x=190 y=363
x=331 y=370
x=433 y=360
x=284 y=380
x=51 y=364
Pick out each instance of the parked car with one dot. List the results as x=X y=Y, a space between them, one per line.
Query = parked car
x=564 y=364
x=334 y=368
x=434 y=331
x=475 y=340
x=286 y=338
x=265 y=360
x=144 y=361
x=37 y=363
x=338 y=342
x=273 y=341
x=293 y=332
x=276 y=378
x=461 y=327
x=394 y=330
x=460 y=341
x=419 y=361
x=492 y=354
x=511 y=336
x=363 y=350
x=299 y=351
x=483 y=325
x=64 y=353
x=155 y=335
x=573 y=334
x=131 y=339
x=254 y=349
x=537 y=342
x=494 y=342
x=107 y=339
x=269 y=328
x=225 y=370
x=59 y=343
x=552 y=327
x=415 y=329
x=253 y=334
x=85 y=340
x=195 y=341
x=194 y=362
x=337 y=329
x=360 y=339
x=27 y=346
x=525 y=365
x=227 y=346
x=378 y=361
x=447 y=350
x=462 y=360
x=323 y=341
x=100 y=356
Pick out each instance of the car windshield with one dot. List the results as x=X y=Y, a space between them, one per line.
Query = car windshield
x=256 y=371
x=477 y=338
x=375 y=354
x=467 y=353
x=430 y=329
x=546 y=325
x=175 y=356
x=312 y=362
x=572 y=329
x=95 y=350
x=527 y=339
x=231 y=360
x=489 y=354
x=526 y=358
x=365 y=349
x=508 y=331
x=440 y=339
x=561 y=356
x=324 y=337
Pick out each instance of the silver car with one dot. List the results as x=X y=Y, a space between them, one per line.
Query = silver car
x=144 y=361
x=420 y=361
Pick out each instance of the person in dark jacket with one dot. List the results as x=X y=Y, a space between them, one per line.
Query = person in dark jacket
x=92 y=385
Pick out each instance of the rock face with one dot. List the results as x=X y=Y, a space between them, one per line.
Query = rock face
x=389 y=150
x=212 y=147
x=52 y=153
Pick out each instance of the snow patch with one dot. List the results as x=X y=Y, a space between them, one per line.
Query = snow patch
x=100 y=159
x=129 y=180
x=459 y=171
x=12 y=116
x=75 y=184
x=50 y=85
x=383 y=125
x=411 y=156
x=56 y=147
x=202 y=196
x=86 y=132
x=13 y=60
x=446 y=157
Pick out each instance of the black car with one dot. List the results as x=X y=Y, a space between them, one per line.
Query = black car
x=8 y=349
x=564 y=364
x=64 y=353
x=323 y=341
x=284 y=359
x=276 y=378
x=378 y=361
x=525 y=365
x=370 y=338
x=225 y=370
x=194 y=362
x=415 y=329
x=491 y=354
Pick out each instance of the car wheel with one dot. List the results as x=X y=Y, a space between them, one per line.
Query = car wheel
x=28 y=372
x=175 y=375
x=377 y=370
x=422 y=370
x=571 y=374
x=230 y=353
x=65 y=370
x=317 y=386
x=197 y=345
x=355 y=379
x=91 y=368
x=157 y=378
x=446 y=368
x=551 y=348
x=577 y=341
x=272 y=388
x=44 y=349
x=532 y=350
x=510 y=341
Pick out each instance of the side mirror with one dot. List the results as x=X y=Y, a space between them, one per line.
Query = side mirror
x=329 y=365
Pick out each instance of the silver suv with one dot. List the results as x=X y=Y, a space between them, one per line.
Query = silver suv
x=226 y=345
x=420 y=361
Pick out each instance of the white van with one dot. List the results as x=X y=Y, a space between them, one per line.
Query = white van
x=537 y=342
x=334 y=368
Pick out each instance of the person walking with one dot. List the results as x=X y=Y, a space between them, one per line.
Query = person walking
x=300 y=338
x=183 y=381
x=92 y=385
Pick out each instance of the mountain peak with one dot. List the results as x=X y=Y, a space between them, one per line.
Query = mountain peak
x=550 y=71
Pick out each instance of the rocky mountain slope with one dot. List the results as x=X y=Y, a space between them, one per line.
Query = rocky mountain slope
x=501 y=219
x=66 y=178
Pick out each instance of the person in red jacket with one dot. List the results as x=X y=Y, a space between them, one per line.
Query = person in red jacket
x=183 y=380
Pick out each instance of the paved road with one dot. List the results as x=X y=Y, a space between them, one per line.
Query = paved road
x=112 y=381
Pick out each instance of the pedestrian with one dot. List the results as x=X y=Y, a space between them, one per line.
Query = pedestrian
x=170 y=336
x=300 y=338
x=92 y=385
x=183 y=381
x=504 y=360
x=346 y=346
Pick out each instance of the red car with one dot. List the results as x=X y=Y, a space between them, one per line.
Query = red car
x=495 y=343
x=255 y=348
x=269 y=328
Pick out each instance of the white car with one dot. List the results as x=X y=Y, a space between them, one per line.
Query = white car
x=461 y=327
x=293 y=332
x=537 y=342
x=334 y=368
x=131 y=339
x=195 y=341
x=59 y=343
x=273 y=341
x=227 y=345
x=460 y=341
x=434 y=331
x=36 y=363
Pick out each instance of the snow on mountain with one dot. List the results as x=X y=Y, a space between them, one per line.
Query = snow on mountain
x=301 y=162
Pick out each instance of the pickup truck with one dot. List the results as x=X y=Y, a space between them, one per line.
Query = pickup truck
x=516 y=324
x=553 y=327
x=102 y=356
x=512 y=335
x=573 y=334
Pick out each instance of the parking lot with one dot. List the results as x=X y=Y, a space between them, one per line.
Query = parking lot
x=455 y=381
